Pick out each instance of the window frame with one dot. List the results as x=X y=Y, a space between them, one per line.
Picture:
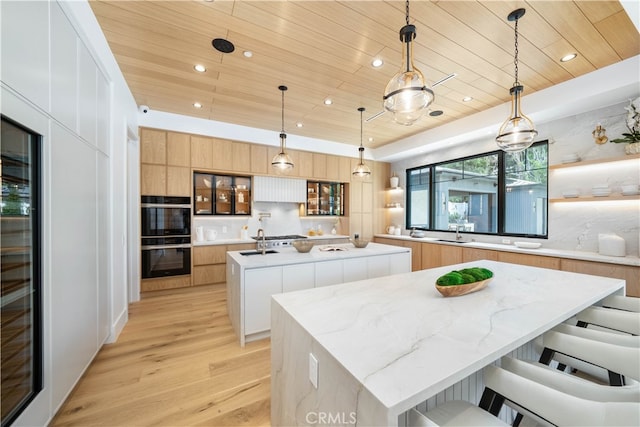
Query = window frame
x=501 y=194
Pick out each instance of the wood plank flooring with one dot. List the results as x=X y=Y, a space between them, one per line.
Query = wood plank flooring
x=176 y=363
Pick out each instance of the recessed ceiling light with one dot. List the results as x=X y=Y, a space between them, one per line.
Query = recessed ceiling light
x=376 y=63
x=197 y=105
x=370 y=139
x=435 y=113
x=568 y=57
x=299 y=124
x=467 y=99
x=200 y=68
x=328 y=101
x=247 y=54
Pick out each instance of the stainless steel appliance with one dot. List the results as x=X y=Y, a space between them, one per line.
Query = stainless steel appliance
x=166 y=256
x=278 y=241
x=165 y=216
x=166 y=236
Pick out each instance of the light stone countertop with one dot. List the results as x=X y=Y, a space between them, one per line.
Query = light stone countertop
x=403 y=342
x=289 y=255
x=558 y=253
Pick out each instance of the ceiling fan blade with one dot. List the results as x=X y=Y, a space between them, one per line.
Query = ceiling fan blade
x=439 y=82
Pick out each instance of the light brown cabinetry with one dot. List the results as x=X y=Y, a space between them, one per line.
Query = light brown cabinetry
x=319 y=166
x=436 y=255
x=260 y=163
x=416 y=254
x=210 y=262
x=627 y=272
x=159 y=284
x=475 y=254
x=164 y=163
x=178 y=149
x=530 y=260
x=153 y=146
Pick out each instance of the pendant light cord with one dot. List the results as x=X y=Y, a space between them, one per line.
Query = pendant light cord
x=407 y=12
x=283 y=110
x=515 y=59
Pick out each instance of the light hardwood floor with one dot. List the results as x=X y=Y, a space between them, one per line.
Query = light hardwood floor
x=176 y=363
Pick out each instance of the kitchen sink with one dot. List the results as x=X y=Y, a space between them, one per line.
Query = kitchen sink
x=269 y=251
x=451 y=241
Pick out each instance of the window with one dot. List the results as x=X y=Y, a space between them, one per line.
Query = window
x=494 y=193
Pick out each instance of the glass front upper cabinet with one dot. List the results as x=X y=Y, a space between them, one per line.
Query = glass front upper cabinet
x=215 y=194
x=325 y=198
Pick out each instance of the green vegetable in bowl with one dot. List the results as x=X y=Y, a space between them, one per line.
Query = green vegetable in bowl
x=464 y=276
x=450 y=279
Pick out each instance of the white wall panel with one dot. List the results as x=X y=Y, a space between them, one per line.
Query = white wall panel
x=87 y=95
x=64 y=69
x=103 y=113
x=25 y=49
x=73 y=260
x=103 y=259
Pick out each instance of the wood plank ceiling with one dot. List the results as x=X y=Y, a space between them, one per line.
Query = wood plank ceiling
x=324 y=49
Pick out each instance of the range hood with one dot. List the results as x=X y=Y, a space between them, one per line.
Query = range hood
x=275 y=189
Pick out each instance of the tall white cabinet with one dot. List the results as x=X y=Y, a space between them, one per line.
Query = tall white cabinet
x=57 y=81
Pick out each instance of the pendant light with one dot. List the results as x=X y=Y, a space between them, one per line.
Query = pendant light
x=407 y=94
x=517 y=132
x=282 y=162
x=361 y=170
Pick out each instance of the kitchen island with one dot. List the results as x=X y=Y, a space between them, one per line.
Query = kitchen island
x=376 y=348
x=253 y=278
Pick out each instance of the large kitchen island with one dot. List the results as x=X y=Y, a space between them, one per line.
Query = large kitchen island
x=252 y=278
x=365 y=352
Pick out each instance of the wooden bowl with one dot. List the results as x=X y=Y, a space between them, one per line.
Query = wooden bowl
x=359 y=243
x=457 y=290
x=303 y=246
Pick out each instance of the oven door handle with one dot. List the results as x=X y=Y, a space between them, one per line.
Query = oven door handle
x=156 y=205
x=151 y=247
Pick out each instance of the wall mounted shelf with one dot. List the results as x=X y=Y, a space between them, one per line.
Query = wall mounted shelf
x=595 y=199
x=595 y=161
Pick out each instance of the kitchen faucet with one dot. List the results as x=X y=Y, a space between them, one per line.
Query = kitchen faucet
x=261 y=243
x=458 y=236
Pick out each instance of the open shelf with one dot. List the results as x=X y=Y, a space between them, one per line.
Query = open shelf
x=595 y=161
x=595 y=199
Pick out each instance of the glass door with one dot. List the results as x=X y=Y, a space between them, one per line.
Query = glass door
x=221 y=194
x=325 y=198
x=20 y=297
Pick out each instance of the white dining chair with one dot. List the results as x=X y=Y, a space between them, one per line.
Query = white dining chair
x=544 y=395
x=620 y=302
x=582 y=348
x=610 y=319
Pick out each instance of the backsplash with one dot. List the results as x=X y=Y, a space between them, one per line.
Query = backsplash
x=283 y=219
x=574 y=225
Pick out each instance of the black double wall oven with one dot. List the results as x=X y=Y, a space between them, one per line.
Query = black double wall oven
x=166 y=236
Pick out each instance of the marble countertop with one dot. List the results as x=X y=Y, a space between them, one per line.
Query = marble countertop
x=404 y=342
x=559 y=253
x=250 y=240
x=289 y=255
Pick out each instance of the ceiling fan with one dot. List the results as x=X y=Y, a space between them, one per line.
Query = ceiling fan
x=439 y=82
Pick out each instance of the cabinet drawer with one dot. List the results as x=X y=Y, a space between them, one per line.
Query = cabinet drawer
x=165 y=283
x=215 y=254
x=208 y=274
x=531 y=260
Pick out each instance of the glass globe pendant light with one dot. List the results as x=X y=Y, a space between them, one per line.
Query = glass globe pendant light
x=361 y=170
x=517 y=133
x=407 y=94
x=282 y=162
